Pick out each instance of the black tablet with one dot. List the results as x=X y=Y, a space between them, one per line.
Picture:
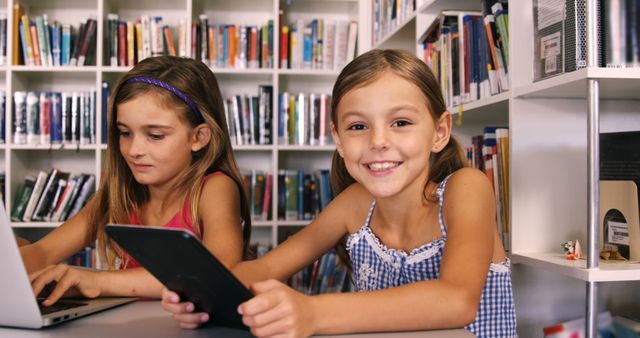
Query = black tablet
x=180 y=262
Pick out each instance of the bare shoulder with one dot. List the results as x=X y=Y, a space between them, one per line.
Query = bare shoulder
x=469 y=199
x=353 y=204
x=220 y=183
x=220 y=187
x=466 y=182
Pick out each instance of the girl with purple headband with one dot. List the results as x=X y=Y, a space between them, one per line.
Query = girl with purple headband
x=169 y=163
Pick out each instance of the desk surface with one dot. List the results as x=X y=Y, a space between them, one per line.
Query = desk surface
x=147 y=319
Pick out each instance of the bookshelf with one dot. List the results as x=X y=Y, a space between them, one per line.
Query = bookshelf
x=18 y=160
x=549 y=183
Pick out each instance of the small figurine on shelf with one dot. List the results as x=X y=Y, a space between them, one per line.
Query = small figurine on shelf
x=610 y=255
x=572 y=250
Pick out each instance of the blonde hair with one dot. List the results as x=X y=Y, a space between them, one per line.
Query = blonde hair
x=120 y=194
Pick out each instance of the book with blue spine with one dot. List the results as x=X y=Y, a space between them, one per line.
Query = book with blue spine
x=55 y=44
x=65 y=50
x=47 y=38
x=56 y=118
x=106 y=92
x=23 y=42
x=42 y=41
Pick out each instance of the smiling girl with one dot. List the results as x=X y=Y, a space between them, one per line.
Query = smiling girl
x=420 y=229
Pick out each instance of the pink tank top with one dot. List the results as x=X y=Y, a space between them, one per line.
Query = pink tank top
x=181 y=220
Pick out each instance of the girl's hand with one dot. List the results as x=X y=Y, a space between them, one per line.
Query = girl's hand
x=83 y=282
x=278 y=310
x=182 y=312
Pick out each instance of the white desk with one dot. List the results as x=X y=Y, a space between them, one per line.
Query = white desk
x=147 y=319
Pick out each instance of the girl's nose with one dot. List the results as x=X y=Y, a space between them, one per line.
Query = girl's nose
x=379 y=139
x=136 y=146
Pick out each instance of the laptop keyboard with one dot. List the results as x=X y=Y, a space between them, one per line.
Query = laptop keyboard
x=58 y=306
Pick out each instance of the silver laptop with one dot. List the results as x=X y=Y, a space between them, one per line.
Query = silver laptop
x=19 y=307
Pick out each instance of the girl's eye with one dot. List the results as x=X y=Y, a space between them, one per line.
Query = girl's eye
x=156 y=136
x=356 y=126
x=124 y=133
x=401 y=123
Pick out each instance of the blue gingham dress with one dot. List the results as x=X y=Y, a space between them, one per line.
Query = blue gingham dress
x=377 y=267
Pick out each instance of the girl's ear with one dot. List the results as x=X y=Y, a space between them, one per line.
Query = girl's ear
x=201 y=137
x=442 y=132
x=336 y=138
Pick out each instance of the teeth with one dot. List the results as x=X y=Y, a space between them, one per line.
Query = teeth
x=382 y=165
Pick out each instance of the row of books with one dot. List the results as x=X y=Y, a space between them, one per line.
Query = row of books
x=128 y=42
x=468 y=53
x=304 y=119
x=388 y=14
x=249 y=117
x=54 y=117
x=489 y=152
x=326 y=275
x=317 y=44
x=222 y=45
x=301 y=196
x=258 y=185
x=52 y=197
x=84 y=258
x=45 y=43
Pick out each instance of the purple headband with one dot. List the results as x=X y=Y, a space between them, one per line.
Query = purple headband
x=178 y=93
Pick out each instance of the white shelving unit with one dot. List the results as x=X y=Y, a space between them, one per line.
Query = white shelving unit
x=21 y=160
x=554 y=126
x=549 y=170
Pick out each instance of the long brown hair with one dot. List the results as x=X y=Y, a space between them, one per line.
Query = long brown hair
x=364 y=70
x=120 y=194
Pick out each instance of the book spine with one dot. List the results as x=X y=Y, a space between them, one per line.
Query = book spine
x=87 y=38
x=26 y=25
x=65 y=48
x=22 y=199
x=55 y=44
x=20 y=117
x=131 y=57
x=33 y=116
x=75 y=52
x=35 y=44
x=47 y=38
x=45 y=118
x=17 y=58
x=112 y=38
x=88 y=187
x=64 y=199
x=23 y=42
x=106 y=91
x=75 y=117
x=41 y=209
x=56 y=118
x=35 y=196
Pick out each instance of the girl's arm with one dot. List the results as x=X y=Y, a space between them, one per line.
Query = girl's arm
x=62 y=242
x=73 y=281
x=219 y=210
x=308 y=244
x=451 y=301
x=221 y=220
x=289 y=257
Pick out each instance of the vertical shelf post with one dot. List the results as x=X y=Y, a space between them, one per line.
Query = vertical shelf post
x=593 y=169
